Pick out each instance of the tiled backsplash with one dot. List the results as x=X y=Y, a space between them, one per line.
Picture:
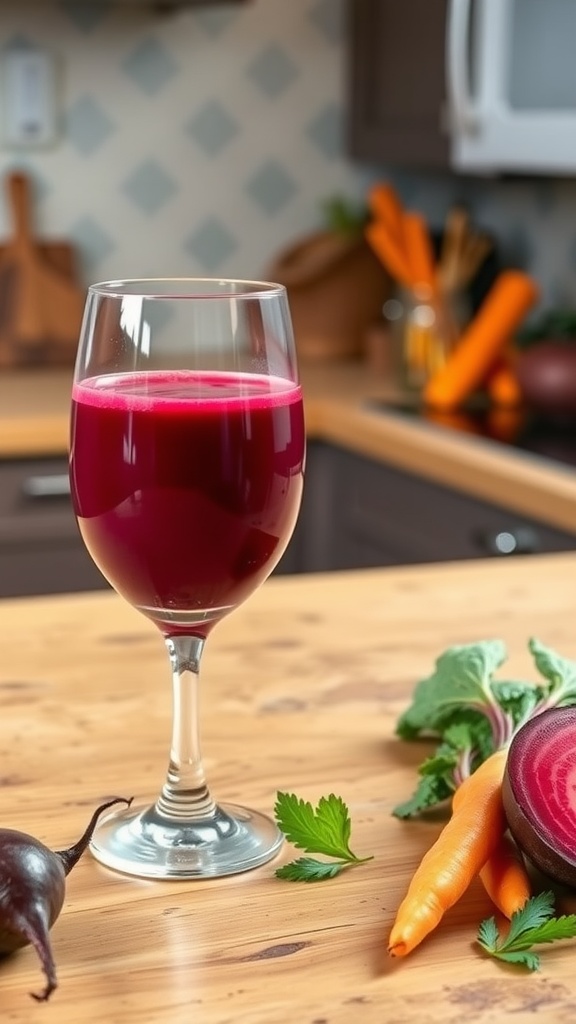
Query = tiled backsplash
x=194 y=143
x=205 y=141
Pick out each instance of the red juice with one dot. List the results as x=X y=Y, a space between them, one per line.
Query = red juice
x=186 y=486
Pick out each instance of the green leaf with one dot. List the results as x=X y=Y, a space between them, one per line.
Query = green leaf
x=442 y=763
x=560 y=672
x=563 y=927
x=534 y=924
x=462 y=677
x=306 y=869
x=526 y=959
x=332 y=815
x=324 y=830
x=468 y=736
x=535 y=912
x=344 y=217
x=517 y=698
x=430 y=790
x=488 y=934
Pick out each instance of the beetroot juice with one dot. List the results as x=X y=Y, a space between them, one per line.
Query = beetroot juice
x=186 y=486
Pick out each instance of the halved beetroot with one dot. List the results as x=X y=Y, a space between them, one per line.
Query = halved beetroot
x=539 y=792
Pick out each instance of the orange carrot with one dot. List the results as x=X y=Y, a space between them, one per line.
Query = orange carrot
x=504 y=308
x=505 y=878
x=503 y=385
x=461 y=850
x=389 y=251
x=453 y=418
x=505 y=422
x=419 y=251
x=385 y=206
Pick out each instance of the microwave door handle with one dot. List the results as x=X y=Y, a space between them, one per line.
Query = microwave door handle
x=463 y=119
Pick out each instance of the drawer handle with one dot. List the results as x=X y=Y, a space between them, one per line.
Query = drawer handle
x=520 y=540
x=49 y=485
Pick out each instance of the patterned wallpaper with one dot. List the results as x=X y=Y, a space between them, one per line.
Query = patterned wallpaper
x=205 y=141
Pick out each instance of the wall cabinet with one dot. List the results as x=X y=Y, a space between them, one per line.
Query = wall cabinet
x=169 y=5
x=396 y=82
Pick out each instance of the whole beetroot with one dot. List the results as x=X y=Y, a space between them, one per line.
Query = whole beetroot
x=32 y=891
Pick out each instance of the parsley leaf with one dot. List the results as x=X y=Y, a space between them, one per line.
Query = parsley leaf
x=534 y=924
x=307 y=869
x=324 y=829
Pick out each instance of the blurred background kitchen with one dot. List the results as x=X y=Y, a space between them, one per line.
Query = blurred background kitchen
x=408 y=170
x=203 y=141
x=195 y=142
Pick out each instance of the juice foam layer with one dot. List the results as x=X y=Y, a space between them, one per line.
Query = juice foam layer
x=166 y=391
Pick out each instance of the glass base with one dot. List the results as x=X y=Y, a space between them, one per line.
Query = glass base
x=140 y=841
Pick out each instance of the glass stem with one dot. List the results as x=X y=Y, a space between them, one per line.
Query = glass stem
x=185 y=795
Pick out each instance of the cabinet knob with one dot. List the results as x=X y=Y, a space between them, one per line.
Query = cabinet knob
x=517 y=540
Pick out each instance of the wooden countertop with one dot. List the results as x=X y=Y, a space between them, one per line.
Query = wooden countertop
x=301 y=690
x=34 y=422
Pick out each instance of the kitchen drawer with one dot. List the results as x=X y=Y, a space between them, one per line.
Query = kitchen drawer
x=362 y=513
x=54 y=568
x=35 y=493
x=41 y=551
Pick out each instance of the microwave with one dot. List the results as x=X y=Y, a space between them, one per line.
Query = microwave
x=511 y=85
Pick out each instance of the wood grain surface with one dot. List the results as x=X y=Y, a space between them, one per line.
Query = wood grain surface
x=301 y=689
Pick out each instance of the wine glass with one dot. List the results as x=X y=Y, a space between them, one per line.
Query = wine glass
x=186 y=469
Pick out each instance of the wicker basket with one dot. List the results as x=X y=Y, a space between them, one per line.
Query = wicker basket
x=336 y=288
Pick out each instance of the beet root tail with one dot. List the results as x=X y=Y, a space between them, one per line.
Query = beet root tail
x=71 y=856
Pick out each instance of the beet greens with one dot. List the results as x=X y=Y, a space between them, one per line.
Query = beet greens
x=474 y=714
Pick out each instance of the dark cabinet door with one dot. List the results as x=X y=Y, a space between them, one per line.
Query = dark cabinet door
x=41 y=551
x=359 y=513
x=396 y=82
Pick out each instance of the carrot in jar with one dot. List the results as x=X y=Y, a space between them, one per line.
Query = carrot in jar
x=503 y=386
x=386 y=207
x=511 y=296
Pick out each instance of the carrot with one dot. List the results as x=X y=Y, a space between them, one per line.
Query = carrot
x=385 y=206
x=461 y=850
x=419 y=251
x=389 y=251
x=505 y=878
x=508 y=301
x=455 y=419
x=503 y=386
x=504 y=422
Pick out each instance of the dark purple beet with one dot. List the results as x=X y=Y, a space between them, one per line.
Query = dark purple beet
x=547 y=377
x=539 y=792
x=32 y=890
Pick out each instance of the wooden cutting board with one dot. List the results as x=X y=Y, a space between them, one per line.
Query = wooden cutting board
x=41 y=297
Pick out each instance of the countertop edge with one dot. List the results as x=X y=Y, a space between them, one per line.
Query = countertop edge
x=338 y=411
